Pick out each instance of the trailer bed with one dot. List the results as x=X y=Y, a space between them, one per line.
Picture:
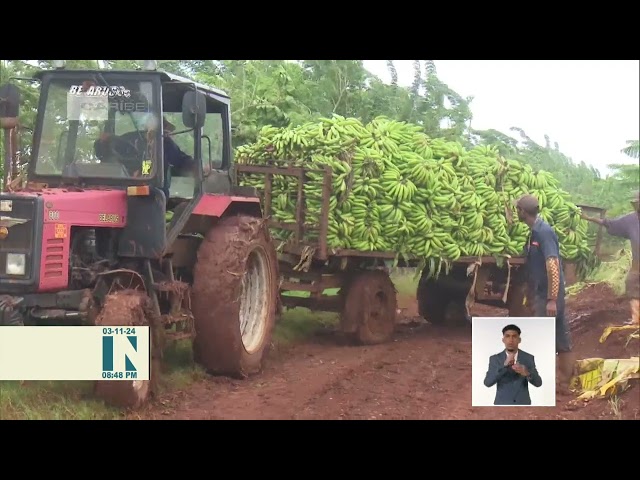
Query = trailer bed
x=367 y=296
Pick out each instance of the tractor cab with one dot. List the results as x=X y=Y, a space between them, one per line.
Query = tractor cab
x=131 y=128
x=163 y=138
x=208 y=144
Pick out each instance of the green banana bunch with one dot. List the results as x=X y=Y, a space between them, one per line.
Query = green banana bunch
x=395 y=189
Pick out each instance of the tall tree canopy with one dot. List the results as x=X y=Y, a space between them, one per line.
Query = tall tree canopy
x=278 y=92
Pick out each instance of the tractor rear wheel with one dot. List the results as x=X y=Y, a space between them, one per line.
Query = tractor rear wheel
x=235 y=292
x=124 y=308
x=370 y=308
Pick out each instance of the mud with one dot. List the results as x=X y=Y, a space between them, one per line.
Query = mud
x=596 y=308
x=424 y=373
x=125 y=307
x=370 y=308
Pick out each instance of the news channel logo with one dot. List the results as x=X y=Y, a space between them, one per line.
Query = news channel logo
x=122 y=357
x=87 y=352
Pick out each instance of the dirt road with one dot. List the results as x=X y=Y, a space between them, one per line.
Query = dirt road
x=424 y=373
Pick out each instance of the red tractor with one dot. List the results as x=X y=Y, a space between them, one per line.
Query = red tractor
x=108 y=229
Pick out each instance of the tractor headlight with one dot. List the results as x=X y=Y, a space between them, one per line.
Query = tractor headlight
x=16 y=263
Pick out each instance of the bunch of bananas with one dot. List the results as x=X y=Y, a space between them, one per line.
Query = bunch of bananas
x=395 y=189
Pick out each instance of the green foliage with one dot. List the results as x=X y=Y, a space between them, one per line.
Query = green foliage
x=613 y=273
x=632 y=149
x=290 y=93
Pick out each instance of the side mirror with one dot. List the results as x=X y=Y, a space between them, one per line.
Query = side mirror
x=9 y=106
x=194 y=109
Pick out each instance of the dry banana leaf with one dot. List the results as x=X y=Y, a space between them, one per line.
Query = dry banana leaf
x=609 y=330
x=599 y=377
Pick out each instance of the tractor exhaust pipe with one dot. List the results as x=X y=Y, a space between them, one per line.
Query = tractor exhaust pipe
x=9 y=110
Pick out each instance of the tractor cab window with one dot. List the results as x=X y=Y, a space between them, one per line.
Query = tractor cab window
x=182 y=184
x=92 y=130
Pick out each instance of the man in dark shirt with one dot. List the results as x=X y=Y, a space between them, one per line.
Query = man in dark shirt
x=173 y=156
x=131 y=145
x=628 y=226
x=546 y=288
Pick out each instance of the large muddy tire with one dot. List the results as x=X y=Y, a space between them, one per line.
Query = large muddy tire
x=439 y=305
x=124 y=308
x=370 y=308
x=235 y=293
x=433 y=301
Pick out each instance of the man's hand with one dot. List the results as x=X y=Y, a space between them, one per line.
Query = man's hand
x=597 y=221
x=520 y=369
x=552 y=308
x=511 y=357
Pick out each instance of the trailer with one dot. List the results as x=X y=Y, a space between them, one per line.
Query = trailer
x=366 y=298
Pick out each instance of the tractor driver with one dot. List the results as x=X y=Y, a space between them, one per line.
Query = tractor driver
x=131 y=144
x=173 y=156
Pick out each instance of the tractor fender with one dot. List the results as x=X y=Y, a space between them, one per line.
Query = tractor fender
x=211 y=205
x=206 y=212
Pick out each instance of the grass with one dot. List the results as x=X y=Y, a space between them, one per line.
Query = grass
x=73 y=400
x=616 y=410
x=50 y=401
x=405 y=281
x=300 y=323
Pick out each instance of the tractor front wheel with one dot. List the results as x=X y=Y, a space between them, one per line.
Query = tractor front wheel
x=235 y=293
x=124 y=308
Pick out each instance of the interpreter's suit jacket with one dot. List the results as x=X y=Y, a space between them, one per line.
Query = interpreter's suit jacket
x=511 y=387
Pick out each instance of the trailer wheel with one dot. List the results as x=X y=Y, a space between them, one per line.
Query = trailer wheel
x=515 y=299
x=124 y=308
x=370 y=308
x=433 y=301
x=440 y=305
x=235 y=294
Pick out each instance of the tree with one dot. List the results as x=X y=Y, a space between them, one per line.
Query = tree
x=632 y=149
x=280 y=93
